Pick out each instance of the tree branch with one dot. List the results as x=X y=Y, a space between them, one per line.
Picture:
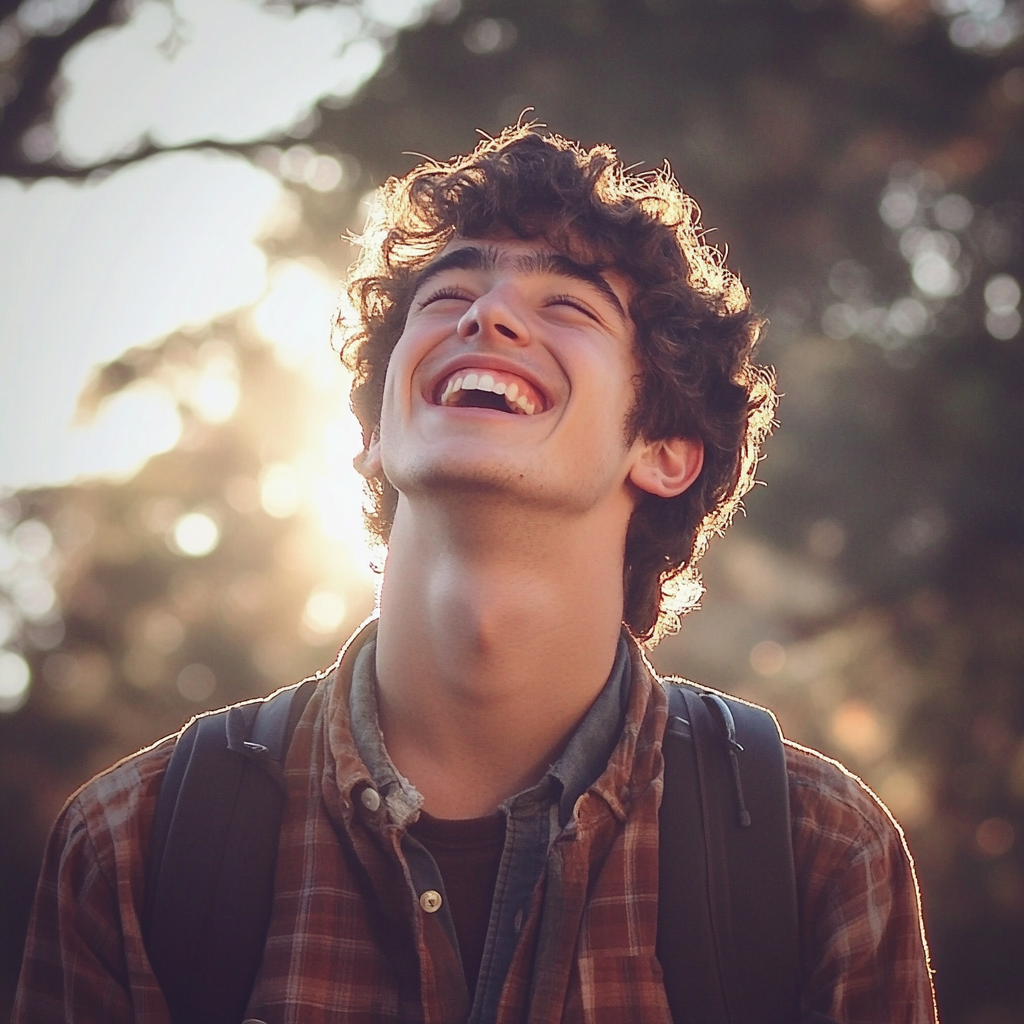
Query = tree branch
x=14 y=165
x=40 y=66
x=8 y=7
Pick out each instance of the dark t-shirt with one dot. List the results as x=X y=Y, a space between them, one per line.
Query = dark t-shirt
x=468 y=855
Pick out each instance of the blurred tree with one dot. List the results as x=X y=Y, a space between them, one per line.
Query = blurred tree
x=862 y=163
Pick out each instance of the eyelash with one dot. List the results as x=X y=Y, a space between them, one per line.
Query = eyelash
x=453 y=292
x=568 y=300
x=448 y=292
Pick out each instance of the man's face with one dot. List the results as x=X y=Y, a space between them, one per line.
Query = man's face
x=515 y=375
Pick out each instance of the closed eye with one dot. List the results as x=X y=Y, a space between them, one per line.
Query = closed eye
x=568 y=300
x=447 y=292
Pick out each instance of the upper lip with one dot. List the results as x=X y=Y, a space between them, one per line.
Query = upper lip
x=482 y=361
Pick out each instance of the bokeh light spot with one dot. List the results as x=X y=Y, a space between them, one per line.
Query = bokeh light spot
x=768 y=658
x=857 y=727
x=296 y=317
x=953 y=212
x=908 y=317
x=196 y=682
x=33 y=539
x=294 y=161
x=898 y=205
x=215 y=393
x=934 y=275
x=826 y=539
x=921 y=531
x=215 y=398
x=849 y=280
x=490 y=35
x=14 y=680
x=195 y=534
x=163 y=631
x=905 y=795
x=1003 y=326
x=45 y=635
x=994 y=837
x=34 y=596
x=280 y=494
x=839 y=321
x=324 y=612
x=1002 y=293
x=323 y=173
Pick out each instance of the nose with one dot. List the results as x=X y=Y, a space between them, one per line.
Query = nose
x=492 y=316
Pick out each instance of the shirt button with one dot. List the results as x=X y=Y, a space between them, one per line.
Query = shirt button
x=430 y=901
x=370 y=798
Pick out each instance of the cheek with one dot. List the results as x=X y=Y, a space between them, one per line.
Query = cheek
x=617 y=389
x=412 y=355
x=401 y=366
x=390 y=399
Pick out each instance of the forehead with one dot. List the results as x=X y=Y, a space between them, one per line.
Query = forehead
x=528 y=257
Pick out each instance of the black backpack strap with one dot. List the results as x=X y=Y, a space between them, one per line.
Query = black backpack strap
x=212 y=853
x=728 y=932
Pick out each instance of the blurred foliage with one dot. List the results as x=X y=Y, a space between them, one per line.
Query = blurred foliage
x=862 y=165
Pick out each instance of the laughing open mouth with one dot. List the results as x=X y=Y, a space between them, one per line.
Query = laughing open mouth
x=490 y=389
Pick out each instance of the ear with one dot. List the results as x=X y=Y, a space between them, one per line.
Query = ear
x=367 y=463
x=667 y=467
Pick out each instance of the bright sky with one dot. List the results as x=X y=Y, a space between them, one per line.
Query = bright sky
x=100 y=266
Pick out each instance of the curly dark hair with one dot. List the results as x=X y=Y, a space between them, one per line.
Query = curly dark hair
x=695 y=330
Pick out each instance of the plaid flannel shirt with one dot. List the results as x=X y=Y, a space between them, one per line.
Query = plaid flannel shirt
x=349 y=941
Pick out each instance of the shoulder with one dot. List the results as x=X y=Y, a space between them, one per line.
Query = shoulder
x=126 y=779
x=854 y=873
x=93 y=873
x=114 y=810
x=863 y=949
x=829 y=803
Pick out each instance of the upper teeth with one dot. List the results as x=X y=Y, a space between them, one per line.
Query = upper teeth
x=475 y=381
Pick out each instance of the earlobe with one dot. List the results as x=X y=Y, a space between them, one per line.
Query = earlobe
x=667 y=467
x=367 y=463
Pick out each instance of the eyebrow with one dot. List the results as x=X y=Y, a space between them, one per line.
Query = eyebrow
x=486 y=258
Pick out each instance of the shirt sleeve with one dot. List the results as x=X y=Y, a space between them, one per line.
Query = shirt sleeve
x=864 y=954
x=84 y=956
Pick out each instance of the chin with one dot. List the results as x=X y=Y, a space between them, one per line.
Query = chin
x=499 y=486
x=460 y=478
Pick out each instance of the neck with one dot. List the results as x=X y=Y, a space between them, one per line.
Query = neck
x=497 y=632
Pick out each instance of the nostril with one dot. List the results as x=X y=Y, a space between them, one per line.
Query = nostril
x=505 y=331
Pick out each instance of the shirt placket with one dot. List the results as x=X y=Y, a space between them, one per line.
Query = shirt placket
x=530 y=824
x=443 y=992
x=446 y=996
x=534 y=820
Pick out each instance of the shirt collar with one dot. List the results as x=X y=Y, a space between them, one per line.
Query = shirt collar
x=402 y=798
x=591 y=745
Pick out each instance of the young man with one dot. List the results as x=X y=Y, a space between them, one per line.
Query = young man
x=553 y=376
